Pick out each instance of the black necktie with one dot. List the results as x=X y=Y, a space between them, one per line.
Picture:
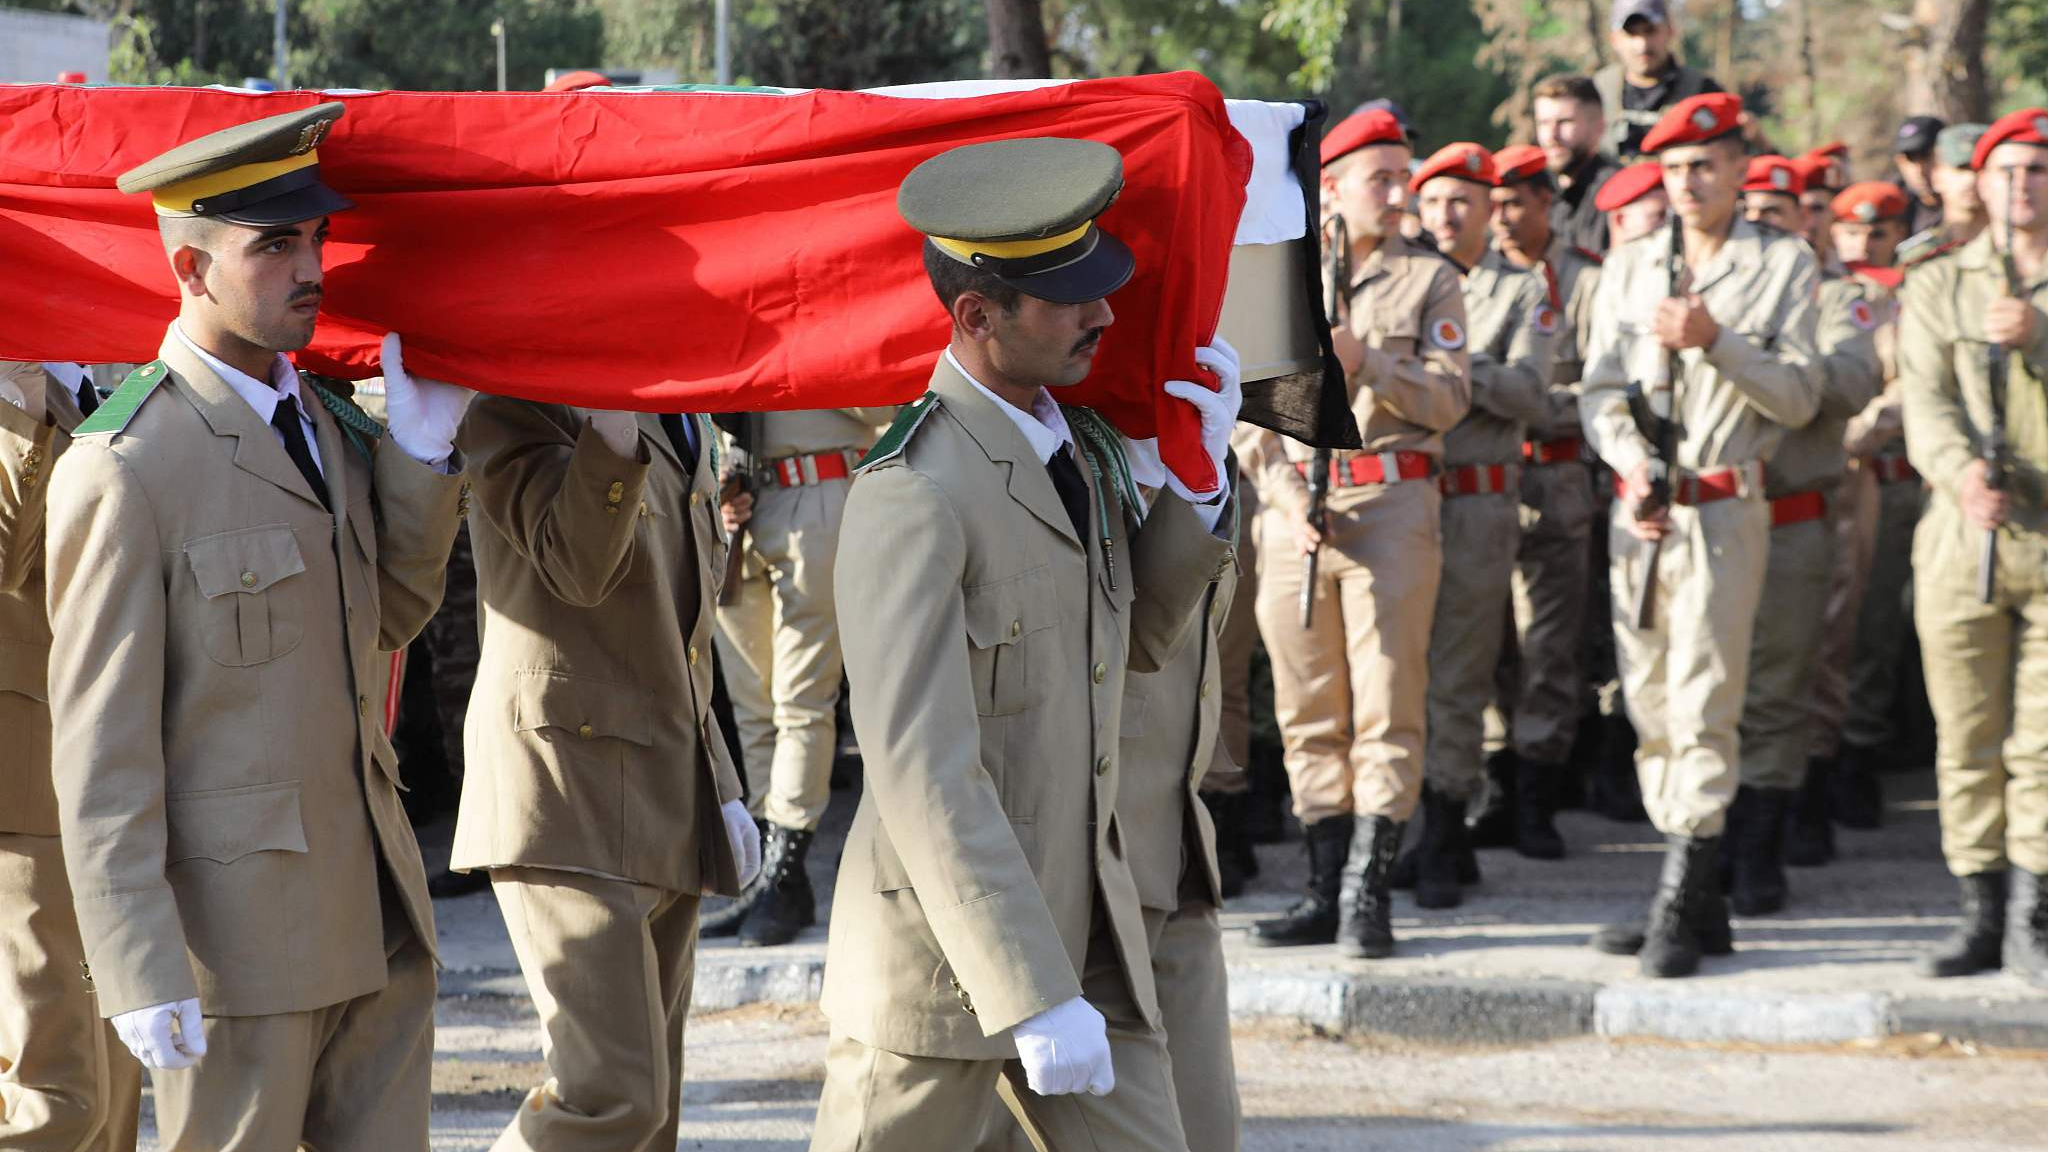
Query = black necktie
x=679 y=439
x=285 y=418
x=88 y=396
x=1066 y=477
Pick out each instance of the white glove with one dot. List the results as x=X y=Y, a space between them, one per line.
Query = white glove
x=424 y=413
x=151 y=1035
x=745 y=839
x=1218 y=411
x=1065 y=1049
x=620 y=432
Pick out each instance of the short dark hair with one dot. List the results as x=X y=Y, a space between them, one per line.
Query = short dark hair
x=952 y=279
x=201 y=232
x=1566 y=86
x=1540 y=182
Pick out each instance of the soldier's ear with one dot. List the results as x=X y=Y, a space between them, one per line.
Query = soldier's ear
x=974 y=315
x=190 y=264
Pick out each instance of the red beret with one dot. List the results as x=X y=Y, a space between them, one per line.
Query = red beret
x=1462 y=161
x=1696 y=120
x=1628 y=186
x=1868 y=201
x=1833 y=148
x=1772 y=174
x=1362 y=130
x=1818 y=172
x=1519 y=162
x=2026 y=126
x=577 y=82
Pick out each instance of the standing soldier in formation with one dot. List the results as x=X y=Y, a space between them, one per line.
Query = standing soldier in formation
x=1541 y=701
x=1512 y=331
x=1973 y=355
x=1717 y=315
x=1962 y=211
x=1802 y=481
x=778 y=643
x=994 y=582
x=232 y=553
x=1771 y=188
x=1349 y=691
x=72 y=1086
x=1821 y=178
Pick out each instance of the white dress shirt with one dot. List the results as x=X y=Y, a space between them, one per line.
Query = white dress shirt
x=261 y=396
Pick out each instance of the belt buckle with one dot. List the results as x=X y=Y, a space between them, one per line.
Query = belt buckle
x=1390 y=467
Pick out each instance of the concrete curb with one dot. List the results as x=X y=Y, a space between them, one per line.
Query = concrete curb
x=1459 y=1010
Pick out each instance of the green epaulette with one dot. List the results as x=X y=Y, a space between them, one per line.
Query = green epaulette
x=358 y=427
x=893 y=441
x=117 y=410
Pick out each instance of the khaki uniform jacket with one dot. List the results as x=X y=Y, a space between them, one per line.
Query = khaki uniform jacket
x=1169 y=745
x=590 y=739
x=1812 y=458
x=1948 y=384
x=1573 y=276
x=1737 y=398
x=986 y=648
x=225 y=791
x=28 y=452
x=1514 y=334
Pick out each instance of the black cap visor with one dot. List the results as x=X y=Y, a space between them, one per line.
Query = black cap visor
x=288 y=199
x=1067 y=276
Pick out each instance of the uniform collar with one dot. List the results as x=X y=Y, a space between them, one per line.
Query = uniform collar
x=1044 y=427
x=260 y=395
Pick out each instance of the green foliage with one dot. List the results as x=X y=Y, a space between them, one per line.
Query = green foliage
x=1317 y=28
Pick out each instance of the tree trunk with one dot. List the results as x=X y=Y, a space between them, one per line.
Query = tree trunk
x=1945 y=60
x=1017 y=49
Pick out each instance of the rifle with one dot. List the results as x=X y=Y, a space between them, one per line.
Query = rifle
x=1336 y=282
x=1997 y=360
x=1656 y=414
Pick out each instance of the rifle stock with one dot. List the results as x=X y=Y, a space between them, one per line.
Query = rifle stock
x=1336 y=282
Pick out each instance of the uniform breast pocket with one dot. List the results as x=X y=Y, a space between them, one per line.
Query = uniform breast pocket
x=252 y=585
x=1012 y=628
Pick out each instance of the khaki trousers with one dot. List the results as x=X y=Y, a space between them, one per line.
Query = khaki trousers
x=1684 y=677
x=351 y=1077
x=1874 y=672
x=1987 y=680
x=1351 y=692
x=610 y=965
x=1852 y=520
x=1551 y=573
x=67 y=1084
x=1481 y=534
x=779 y=641
x=880 y=1101
x=1777 y=710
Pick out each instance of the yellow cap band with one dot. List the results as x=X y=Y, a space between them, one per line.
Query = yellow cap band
x=179 y=197
x=967 y=250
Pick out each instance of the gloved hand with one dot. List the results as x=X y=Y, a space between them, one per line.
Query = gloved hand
x=151 y=1035
x=424 y=413
x=1065 y=1049
x=1218 y=411
x=745 y=839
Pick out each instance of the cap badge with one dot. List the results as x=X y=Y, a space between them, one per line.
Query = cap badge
x=1704 y=119
x=310 y=137
x=1471 y=161
x=2041 y=127
x=1781 y=179
x=1866 y=212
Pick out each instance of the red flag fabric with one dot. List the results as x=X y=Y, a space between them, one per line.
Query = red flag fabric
x=660 y=251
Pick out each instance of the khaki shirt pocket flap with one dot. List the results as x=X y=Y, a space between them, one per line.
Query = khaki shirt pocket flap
x=1005 y=611
x=582 y=706
x=248 y=561
x=227 y=824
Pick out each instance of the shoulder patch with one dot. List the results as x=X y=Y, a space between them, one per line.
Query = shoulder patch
x=1447 y=334
x=1862 y=315
x=1543 y=318
x=898 y=436
x=357 y=426
x=117 y=410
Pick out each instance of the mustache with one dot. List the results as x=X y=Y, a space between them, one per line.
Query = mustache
x=1093 y=338
x=309 y=292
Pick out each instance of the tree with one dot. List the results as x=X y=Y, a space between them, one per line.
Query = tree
x=1945 y=59
x=1017 y=45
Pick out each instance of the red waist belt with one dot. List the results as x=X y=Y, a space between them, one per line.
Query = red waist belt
x=1380 y=468
x=1798 y=508
x=1563 y=450
x=1474 y=480
x=1698 y=487
x=801 y=471
x=1892 y=469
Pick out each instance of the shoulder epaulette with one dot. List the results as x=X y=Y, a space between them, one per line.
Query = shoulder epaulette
x=357 y=426
x=117 y=410
x=894 y=440
x=1939 y=250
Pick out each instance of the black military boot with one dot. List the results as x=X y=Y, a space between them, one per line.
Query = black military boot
x=1708 y=916
x=726 y=921
x=1365 y=925
x=1536 y=833
x=1444 y=857
x=1493 y=825
x=1809 y=834
x=2026 y=926
x=1978 y=943
x=1615 y=791
x=1313 y=919
x=1755 y=850
x=1855 y=797
x=1672 y=940
x=1235 y=860
x=786 y=905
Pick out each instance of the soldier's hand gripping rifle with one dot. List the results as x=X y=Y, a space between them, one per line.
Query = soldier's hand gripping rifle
x=1336 y=282
x=1997 y=362
x=1655 y=410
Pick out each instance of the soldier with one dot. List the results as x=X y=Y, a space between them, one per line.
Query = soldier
x=991 y=590
x=1955 y=182
x=71 y=1085
x=232 y=552
x=1542 y=700
x=779 y=646
x=1983 y=655
x=1634 y=203
x=1347 y=691
x=1646 y=78
x=1803 y=482
x=1728 y=335
x=1569 y=125
x=1771 y=189
x=1513 y=329
x=1821 y=177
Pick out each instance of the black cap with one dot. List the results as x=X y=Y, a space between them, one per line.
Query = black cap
x=1916 y=136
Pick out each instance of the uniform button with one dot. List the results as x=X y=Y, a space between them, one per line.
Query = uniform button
x=616 y=492
x=1101 y=673
x=587 y=732
x=612 y=508
x=362 y=705
x=1016 y=628
x=696 y=498
x=693 y=654
x=1203 y=692
x=1102 y=766
x=248 y=579
x=643 y=508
